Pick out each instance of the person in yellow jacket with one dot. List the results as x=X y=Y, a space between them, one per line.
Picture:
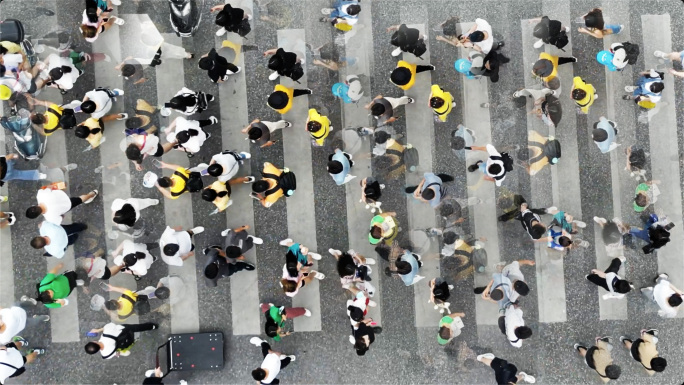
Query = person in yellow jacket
x=404 y=76
x=318 y=126
x=48 y=121
x=176 y=184
x=441 y=102
x=281 y=98
x=583 y=94
x=547 y=65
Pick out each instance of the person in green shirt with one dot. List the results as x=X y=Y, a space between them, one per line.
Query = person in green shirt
x=383 y=227
x=54 y=289
x=449 y=327
x=276 y=317
x=646 y=194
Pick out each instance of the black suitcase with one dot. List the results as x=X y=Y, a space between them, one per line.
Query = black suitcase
x=11 y=30
x=193 y=351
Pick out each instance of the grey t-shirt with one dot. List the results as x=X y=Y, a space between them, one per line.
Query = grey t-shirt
x=138 y=74
x=382 y=119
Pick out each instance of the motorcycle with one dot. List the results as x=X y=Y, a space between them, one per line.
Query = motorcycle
x=185 y=16
x=28 y=143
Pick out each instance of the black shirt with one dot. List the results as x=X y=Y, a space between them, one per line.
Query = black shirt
x=526 y=218
x=220 y=69
x=364 y=330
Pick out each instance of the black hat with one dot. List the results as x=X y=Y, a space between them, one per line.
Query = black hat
x=278 y=100
x=401 y=76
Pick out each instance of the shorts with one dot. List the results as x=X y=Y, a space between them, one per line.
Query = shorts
x=160 y=151
x=75 y=202
x=71 y=276
x=483 y=167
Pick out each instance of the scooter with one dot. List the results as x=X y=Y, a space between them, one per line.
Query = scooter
x=185 y=16
x=28 y=143
x=12 y=30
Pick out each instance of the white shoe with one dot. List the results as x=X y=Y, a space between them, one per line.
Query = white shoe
x=225 y=232
x=238 y=70
x=256 y=341
x=95 y=196
x=352 y=340
x=107 y=58
x=273 y=76
x=600 y=221
x=490 y=356
x=197 y=230
x=334 y=252
x=42 y=176
x=119 y=91
x=307 y=313
x=538 y=44
x=567 y=29
x=660 y=54
x=245 y=155
x=116 y=2
x=370 y=261
x=122 y=116
x=256 y=240
x=580 y=224
x=396 y=52
x=315 y=256
x=165 y=111
x=318 y=275
x=11 y=218
x=39 y=48
x=622 y=259
x=286 y=242
x=119 y=21
x=221 y=32
x=372 y=303
x=630 y=88
x=125 y=354
x=292 y=357
x=551 y=209
x=213 y=119
x=527 y=378
x=327 y=11
x=26 y=298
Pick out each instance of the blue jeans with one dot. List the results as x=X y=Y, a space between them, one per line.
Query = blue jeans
x=615 y=28
x=643 y=234
x=14 y=174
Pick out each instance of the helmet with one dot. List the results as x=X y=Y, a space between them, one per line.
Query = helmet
x=5 y=92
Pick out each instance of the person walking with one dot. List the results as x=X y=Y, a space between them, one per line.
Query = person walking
x=604 y=135
x=12 y=362
x=276 y=317
x=273 y=363
x=56 y=238
x=226 y=164
x=352 y=268
x=441 y=102
x=281 y=98
x=318 y=126
x=498 y=290
x=594 y=25
x=176 y=244
x=222 y=264
x=235 y=244
x=583 y=93
x=407 y=40
x=217 y=67
x=339 y=166
x=55 y=116
x=496 y=166
x=518 y=285
x=598 y=358
x=363 y=335
x=646 y=194
x=513 y=326
x=132 y=258
x=117 y=340
x=644 y=351
x=189 y=135
x=259 y=131
x=431 y=189
x=649 y=89
x=182 y=180
x=384 y=227
x=187 y=102
x=93 y=24
x=665 y=295
x=92 y=130
x=546 y=67
x=54 y=289
x=656 y=232
x=132 y=70
x=54 y=203
x=672 y=56
x=529 y=218
x=273 y=185
x=407 y=267
x=450 y=327
x=610 y=280
x=126 y=212
x=98 y=103
x=124 y=307
x=504 y=372
x=404 y=75
x=550 y=31
x=382 y=108
x=284 y=63
x=231 y=20
x=343 y=15
x=14 y=319
x=8 y=172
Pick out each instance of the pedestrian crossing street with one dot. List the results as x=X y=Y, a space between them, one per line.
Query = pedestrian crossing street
x=555 y=186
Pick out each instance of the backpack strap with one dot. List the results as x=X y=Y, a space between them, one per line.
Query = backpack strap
x=11 y=366
x=538 y=157
x=274 y=188
x=113 y=352
x=54 y=112
x=132 y=301
x=185 y=179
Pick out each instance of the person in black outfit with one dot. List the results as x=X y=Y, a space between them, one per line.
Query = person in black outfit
x=217 y=67
x=363 y=335
x=490 y=65
x=504 y=372
x=284 y=63
x=529 y=218
x=407 y=40
x=225 y=262
x=232 y=20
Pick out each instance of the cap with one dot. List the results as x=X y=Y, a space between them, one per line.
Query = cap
x=5 y=92
x=150 y=179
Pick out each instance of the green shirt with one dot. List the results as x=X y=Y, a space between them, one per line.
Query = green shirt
x=455 y=329
x=642 y=187
x=59 y=285
x=274 y=313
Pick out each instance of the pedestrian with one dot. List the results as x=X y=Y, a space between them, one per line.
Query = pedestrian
x=296 y=276
x=56 y=238
x=328 y=56
x=339 y=166
x=604 y=135
x=665 y=295
x=276 y=317
x=219 y=192
x=226 y=164
x=59 y=73
x=227 y=260
x=496 y=166
x=371 y=191
x=98 y=103
x=14 y=319
x=281 y=98
x=646 y=194
x=132 y=70
x=139 y=144
x=54 y=203
x=92 y=130
x=583 y=94
x=462 y=139
x=504 y=372
x=94 y=265
x=567 y=222
x=450 y=327
x=546 y=67
x=673 y=56
x=547 y=107
x=480 y=37
x=357 y=307
x=217 y=67
x=54 y=289
x=513 y=326
x=636 y=162
x=598 y=358
x=232 y=20
x=275 y=183
x=8 y=172
x=515 y=276
x=382 y=108
x=487 y=65
x=260 y=131
x=407 y=267
x=352 y=267
x=407 y=40
x=431 y=189
x=439 y=293
x=12 y=362
x=343 y=15
x=441 y=102
x=182 y=180
x=284 y=63
x=393 y=157
x=132 y=258
x=384 y=227
x=404 y=75
x=124 y=307
x=273 y=363
x=318 y=126
x=298 y=256
x=529 y=218
x=551 y=32
x=499 y=290
x=189 y=135
x=126 y=212
x=171 y=287
x=620 y=54
x=610 y=280
x=644 y=351
x=176 y=244
x=648 y=90
x=187 y=102
x=56 y=116
x=596 y=27
x=117 y=340
x=656 y=233
x=93 y=24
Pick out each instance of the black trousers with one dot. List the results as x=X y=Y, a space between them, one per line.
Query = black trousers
x=265 y=347
x=72 y=231
x=613 y=268
x=139 y=327
x=563 y=60
x=420 y=68
x=75 y=202
x=298 y=92
x=517 y=201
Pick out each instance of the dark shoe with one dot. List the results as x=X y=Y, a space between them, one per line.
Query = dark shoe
x=474 y=167
x=388 y=272
x=479 y=290
x=155 y=326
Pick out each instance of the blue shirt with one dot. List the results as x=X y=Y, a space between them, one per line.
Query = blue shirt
x=301 y=258
x=58 y=238
x=431 y=178
x=340 y=157
x=503 y=283
x=605 y=125
x=408 y=278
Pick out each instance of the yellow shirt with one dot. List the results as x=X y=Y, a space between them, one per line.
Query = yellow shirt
x=412 y=68
x=52 y=123
x=443 y=111
x=290 y=96
x=11 y=47
x=588 y=100
x=126 y=306
x=323 y=133
x=93 y=139
x=179 y=183
x=220 y=202
x=554 y=60
x=273 y=197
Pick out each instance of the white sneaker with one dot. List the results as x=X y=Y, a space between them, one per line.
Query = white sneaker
x=125 y=354
x=197 y=230
x=318 y=275
x=116 y=2
x=327 y=11
x=580 y=224
x=273 y=76
x=95 y=196
x=42 y=176
x=286 y=242
x=221 y=32
x=334 y=252
x=551 y=209
x=256 y=240
x=352 y=340
x=372 y=303
x=307 y=313
x=245 y=155
x=107 y=58
x=315 y=256
x=600 y=221
x=630 y=88
x=370 y=261
x=396 y=52
x=292 y=357
x=622 y=259
x=119 y=91
x=567 y=29
x=163 y=111
x=213 y=119
x=225 y=232
x=538 y=44
x=256 y=341
x=149 y=373
x=660 y=54
x=527 y=378
x=490 y=356
x=122 y=116
x=26 y=298
x=238 y=70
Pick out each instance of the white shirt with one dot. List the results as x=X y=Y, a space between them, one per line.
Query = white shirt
x=358 y=301
x=142 y=265
x=103 y=102
x=609 y=282
x=66 y=82
x=230 y=166
x=14 y=319
x=492 y=152
x=12 y=357
x=661 y=292
x=182 y=239
x=514 y=319
x=113 y=330
x=272 y=364
x=195 y=142
x=57 y=203
x=118 y=204
x=95 y=266
x=486 y=44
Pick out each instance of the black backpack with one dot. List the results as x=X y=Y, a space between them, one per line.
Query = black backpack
x=551 y=150
x=286 y=181
x=560 y=41
x=631 y=52
x=194 y=183
x=507 y=161
x=123 y=341
x=142 y=305
x=411 y=159
x=541 y=30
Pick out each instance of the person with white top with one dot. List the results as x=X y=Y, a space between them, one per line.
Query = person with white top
x=610 y=280
x=12 y=362
x=13 y=320
x=666 y=295
x=495 y=167
x=176 y=244
x=513 y=326
x=188 y=134
x=94 y=265
x=514 y=274
x=110 y=343
x=98 y=103
x=357 y=307
x=139 y=146
x=604 y=134
x=54 y=203
x=132 y=258
x=272 y=364
x=226 y=165
x=56 y=238
x=60 y=72
x=126 y=212
x=480 y=36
